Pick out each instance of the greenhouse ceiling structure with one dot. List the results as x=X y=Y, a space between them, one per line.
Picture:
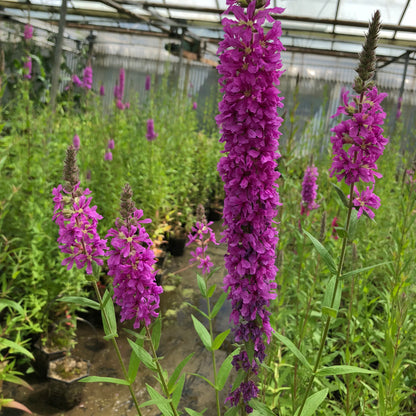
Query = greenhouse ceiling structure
x=317 y=28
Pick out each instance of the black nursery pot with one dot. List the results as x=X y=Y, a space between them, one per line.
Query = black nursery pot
x=177 y=246
x=66 y=394
x=43 y=357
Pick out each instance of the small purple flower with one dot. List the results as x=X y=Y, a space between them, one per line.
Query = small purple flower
x=108 y=156
x=151 y=135
x=309 y=187
x=28 y=31
x=102 y=90
x=110 y=144
x=87 y=78
x=366 y=200
x=27 y=68
x=202 y=235
x=76 y=81
x=194 y=105
x=147 y=83
x=76 y=142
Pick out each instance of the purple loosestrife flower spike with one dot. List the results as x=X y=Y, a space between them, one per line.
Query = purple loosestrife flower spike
x=28 y=31
x=309 y=187
x=76 y=142
x=119 y=104
x=131 y=264
x=194 y=105
x=87 y=78
x=102 y=90
x=76 y=81
x=110 y=144
x=147 y=83
x=358 y=141
x=201 y=234
x=365 y=200
x=108 y=156
x=77 y=220
x=250 y=67
x=150 y=134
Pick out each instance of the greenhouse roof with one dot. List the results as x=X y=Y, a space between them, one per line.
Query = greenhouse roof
x=323 y=27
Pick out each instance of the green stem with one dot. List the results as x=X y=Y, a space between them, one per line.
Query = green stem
x=328 y=320
x=160 y=372
x=214 y=365
x=117 y=349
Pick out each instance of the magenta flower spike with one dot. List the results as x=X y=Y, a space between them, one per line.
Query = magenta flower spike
x=150 y=134
x=28 y=31
x=102 y=90
x=194 y=105
x=76 y=81
x=77 y=220
x=110 y=144
x=309 y=188
x=108 y=156
x=131 y=265
x=250 y=67
x=87 y=78
x=147 y=83
x=76 y=142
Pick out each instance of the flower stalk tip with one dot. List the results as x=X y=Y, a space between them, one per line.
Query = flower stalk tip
x=367 y=57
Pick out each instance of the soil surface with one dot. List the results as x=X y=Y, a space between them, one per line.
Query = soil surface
x=179 y=339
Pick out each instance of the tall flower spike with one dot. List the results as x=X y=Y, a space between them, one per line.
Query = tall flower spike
x=77 y=220
x=250 y=67
x=309 y=188
x=131 y=264
x=358 y=141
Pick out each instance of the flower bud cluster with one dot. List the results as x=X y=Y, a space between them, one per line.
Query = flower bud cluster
x=309 y=188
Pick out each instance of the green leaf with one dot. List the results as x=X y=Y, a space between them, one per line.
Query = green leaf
x=341 y=194
x=11 y=304
x=161 y=402
x=219 y=339
x=241 y=374
x=211 y=290
x=323 y=252
x=177 y=393
x=336 y=370
x=177 y=371
x=202 y=333
x=313 y=402
x=232 y=411
x=225 y=370
x=203 y=378
x=364 y=269
x=134 y=361
x=292 y=347
x=14 y=347
x=260 y=409
x=98 y=379
x=329 y=311
x=194 y=413
x=80 y=301
x=11 y=378
x=156 y=333
x=202 y=284
x=109 y=316
x=143 y=355
x=331 y=308
x=218 y=305
x=197 y=309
